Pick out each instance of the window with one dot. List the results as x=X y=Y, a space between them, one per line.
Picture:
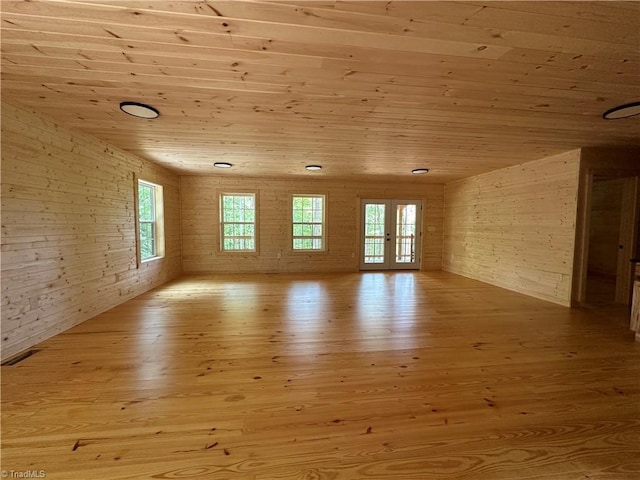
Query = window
x=238 y=222
x=150 y=221
x=308 y=222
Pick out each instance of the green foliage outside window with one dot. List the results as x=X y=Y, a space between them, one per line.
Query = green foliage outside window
x=238 y=212
x=374 y=227
x=146 y=220
x=308 y=222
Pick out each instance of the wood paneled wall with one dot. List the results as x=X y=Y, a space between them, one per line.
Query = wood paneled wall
x=604 y=227
x=200 y=217
x=515 y=227
x=68 y=228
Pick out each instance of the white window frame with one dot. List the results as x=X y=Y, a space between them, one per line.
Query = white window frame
x=322 y=223
x=157 y=221
x=223 y=223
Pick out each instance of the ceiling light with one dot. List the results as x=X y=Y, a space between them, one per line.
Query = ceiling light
x=622 y=111
x=313 y=168
x=139 y=110
x=419 y=171
x=222 y=165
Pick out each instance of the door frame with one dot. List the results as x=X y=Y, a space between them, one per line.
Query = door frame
x=390 y=222
x=629 y=232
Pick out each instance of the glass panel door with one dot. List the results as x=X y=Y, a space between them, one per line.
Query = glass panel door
x=405 y=244
x=374 y=235
x=391 y=234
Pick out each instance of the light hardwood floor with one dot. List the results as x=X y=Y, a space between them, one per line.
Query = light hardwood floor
x=417 y=375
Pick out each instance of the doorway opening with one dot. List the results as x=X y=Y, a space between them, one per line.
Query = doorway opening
x=612 y=240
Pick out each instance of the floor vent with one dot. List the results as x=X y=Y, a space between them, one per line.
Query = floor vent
x=18 y=358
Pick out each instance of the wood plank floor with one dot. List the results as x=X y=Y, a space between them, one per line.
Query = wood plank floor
x=412 y=375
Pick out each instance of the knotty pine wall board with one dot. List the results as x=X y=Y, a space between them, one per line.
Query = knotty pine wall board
x=68 y=228
x=200 y=223
x=515 y=227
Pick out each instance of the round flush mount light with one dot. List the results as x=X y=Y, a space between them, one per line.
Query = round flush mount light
x=622 y=111
x=139 y=110
x=313 y=168
x=419 y=171
x=222 y=165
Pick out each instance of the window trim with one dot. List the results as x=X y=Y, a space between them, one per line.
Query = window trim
x=221 y=222
x=158 y=223
x=324 y=237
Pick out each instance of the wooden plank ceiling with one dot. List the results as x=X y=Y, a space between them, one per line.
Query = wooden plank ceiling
x=369 y=90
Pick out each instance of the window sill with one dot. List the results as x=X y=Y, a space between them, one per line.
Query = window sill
x=151 y=259
x=238 y=253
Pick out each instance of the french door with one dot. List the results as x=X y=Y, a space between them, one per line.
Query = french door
x=391 y=234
